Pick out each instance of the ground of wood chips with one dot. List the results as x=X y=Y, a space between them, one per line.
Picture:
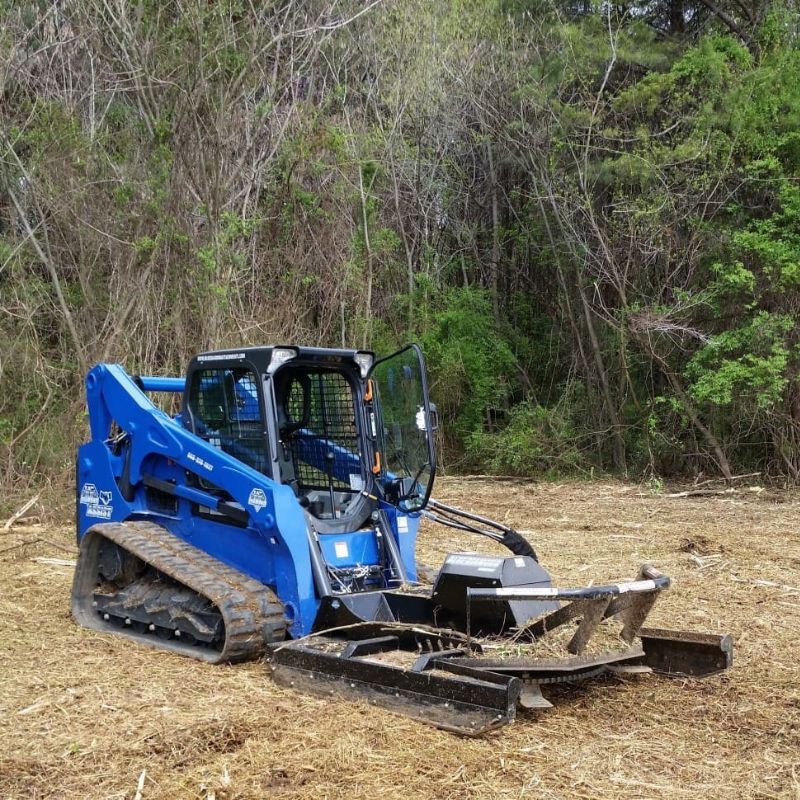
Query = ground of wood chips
x=88 y=715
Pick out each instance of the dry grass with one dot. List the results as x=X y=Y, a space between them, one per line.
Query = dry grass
x=82 y=714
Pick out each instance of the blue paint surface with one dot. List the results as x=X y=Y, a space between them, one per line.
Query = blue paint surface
x=271 y=547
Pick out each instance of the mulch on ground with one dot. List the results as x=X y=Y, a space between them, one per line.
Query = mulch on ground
x=88 y=715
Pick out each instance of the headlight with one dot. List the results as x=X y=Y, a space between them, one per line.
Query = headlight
x=280 y=355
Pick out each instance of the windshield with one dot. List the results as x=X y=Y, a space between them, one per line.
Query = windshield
x=407 y=441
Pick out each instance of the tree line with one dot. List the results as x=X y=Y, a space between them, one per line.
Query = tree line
x=587 y=213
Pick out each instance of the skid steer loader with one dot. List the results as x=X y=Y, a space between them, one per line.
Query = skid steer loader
x=277 y=515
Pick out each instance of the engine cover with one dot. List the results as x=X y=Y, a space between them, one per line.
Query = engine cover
x=461 y=571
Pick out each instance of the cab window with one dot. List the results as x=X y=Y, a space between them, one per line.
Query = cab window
x=225 y=410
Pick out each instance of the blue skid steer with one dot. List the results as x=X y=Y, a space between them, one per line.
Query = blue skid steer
x=276 y=515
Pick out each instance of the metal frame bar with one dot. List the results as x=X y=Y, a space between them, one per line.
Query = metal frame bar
x=630 y=600
x=156 y=383
x=587 y=593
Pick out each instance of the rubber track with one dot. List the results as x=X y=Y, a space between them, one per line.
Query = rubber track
x=251 y=612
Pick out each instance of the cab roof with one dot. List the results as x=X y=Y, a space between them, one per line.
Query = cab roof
x=261 y=356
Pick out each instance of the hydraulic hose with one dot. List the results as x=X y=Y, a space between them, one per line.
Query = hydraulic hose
x=462 y=520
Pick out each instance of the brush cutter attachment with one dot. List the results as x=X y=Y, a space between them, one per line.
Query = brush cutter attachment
x=472 y=680
x=462 y=574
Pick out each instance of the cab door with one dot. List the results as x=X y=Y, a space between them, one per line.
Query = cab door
x=406 y=426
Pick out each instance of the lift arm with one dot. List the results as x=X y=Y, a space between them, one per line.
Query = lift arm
x=152 y=436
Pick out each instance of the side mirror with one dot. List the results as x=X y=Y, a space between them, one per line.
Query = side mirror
x=434 y=416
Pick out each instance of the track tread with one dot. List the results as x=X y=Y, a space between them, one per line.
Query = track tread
x=251 y=612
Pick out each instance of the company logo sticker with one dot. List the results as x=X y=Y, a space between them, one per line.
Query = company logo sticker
x=89 y=494
x=257 y=499
x=98 y=503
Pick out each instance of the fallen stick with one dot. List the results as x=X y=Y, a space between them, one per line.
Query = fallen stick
x=58 y=546
x=520 y=478
x=701 y=493
x=715 y=492
x=711 y=560
x=725 y=480
x=21 y=544
x=55 y=562
x=35 y=707
x=140 y=785
x=21 y=513
x=761 y=582
x=36 y=541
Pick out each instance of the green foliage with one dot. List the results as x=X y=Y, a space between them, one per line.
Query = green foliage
x=471 y=365
x=590 y=220
x=733 y=279
x=774 y=243
x=536 y=441
x=745 y=362
x=748 y=365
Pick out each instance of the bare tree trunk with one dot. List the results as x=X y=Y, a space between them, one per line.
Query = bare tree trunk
x=620 y=462
x=494 y=265
x=691 y=411
x=565 y=295
x=47 y=261
x=368 y=259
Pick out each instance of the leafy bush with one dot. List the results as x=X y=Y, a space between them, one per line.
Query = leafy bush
x=471 y=364
x=537 y=440
x=748 y=362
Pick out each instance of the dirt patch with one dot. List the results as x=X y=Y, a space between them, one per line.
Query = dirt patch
x=701 y=545
x=83 y=714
